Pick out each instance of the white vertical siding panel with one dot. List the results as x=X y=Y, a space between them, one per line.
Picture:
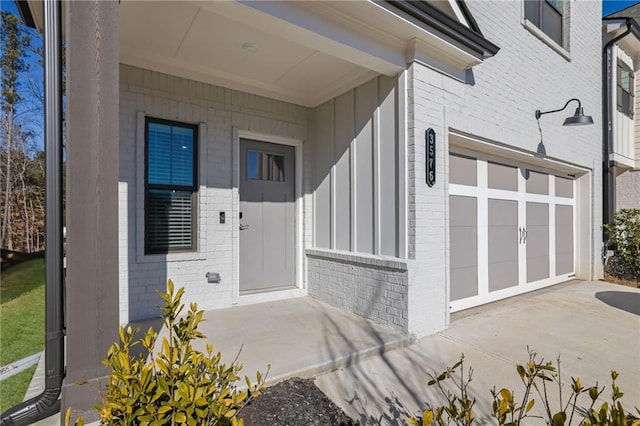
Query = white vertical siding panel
x=366 y=99
x=343 y=116
x=323 y=161
x=388 y=141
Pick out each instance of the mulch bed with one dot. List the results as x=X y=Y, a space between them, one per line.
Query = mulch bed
x=294 y=402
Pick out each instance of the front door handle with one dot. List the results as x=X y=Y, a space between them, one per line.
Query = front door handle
x=243 y=227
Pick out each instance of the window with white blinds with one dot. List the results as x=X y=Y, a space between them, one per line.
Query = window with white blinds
x=170 y=185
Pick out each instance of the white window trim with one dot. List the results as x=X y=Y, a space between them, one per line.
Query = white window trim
x=537 y=32
x=533 y=29
x=201 y=241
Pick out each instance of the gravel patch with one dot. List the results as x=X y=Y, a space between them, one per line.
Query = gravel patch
x=294 y=402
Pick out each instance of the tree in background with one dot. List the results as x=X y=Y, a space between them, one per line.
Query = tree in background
x=22 y=164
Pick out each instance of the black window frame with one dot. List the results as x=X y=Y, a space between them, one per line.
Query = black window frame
x=537 y=20
x=148 y=249
x=625 y=99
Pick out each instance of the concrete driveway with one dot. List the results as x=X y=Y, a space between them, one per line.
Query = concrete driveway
x=593 y=326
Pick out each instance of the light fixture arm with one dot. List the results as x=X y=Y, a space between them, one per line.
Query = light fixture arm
x=538 y=113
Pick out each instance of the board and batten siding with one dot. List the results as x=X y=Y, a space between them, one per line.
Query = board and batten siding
x=356 y=173
x=624 y=125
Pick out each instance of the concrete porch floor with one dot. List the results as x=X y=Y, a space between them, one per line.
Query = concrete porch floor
x=298 y=337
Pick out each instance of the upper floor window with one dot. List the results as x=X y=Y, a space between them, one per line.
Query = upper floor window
x=170 y=185
x=546 y=15
x=625 y=89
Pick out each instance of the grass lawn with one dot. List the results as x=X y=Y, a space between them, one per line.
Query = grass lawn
x=12 y=390
x=21 y=324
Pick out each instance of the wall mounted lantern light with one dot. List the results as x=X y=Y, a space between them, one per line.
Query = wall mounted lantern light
x=578 y=118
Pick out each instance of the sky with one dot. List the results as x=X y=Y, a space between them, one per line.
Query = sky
x=610 y=6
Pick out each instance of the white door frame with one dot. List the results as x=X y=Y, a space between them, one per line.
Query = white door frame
x=300 y=289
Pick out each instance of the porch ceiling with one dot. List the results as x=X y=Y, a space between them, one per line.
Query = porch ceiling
x=306 y=52
x=204 y=41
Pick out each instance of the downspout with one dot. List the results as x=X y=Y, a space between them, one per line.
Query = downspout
x=47 y=403
x=608 y=181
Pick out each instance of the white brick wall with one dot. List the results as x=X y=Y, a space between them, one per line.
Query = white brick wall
x=628 y=190
x=369 y=286
x=221 y=111
x=498 y=104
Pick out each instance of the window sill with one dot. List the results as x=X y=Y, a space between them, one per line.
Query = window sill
x=170 y=257
x=546 y=39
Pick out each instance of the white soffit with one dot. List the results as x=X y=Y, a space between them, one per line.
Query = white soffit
x=204 y=41
x=306 y=52
x=37 y=13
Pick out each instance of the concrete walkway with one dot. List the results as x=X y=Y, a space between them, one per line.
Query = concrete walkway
x=593 y=326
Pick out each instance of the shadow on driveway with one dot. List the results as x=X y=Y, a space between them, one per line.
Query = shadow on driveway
x=627 y=301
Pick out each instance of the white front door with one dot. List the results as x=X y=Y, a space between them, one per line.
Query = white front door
x=267 y=216
x=511 y=229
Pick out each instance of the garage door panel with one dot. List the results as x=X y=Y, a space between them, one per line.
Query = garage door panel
x=462 y=170
x=463 y=211
x=464 y=283
x=564 y=240
x=463 y=237
x=564 y=187
x=503 y=275
x=503 y=244
x=537 y=240
x=564 y=264
x=537 y=183
x=503 y=213
x=501 y=176
x=464 y=247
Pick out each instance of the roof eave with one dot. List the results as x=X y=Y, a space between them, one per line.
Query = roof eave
x=25 y=13
x=435 y=19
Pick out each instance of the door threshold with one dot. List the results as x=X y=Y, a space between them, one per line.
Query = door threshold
x=267 y=290
x=249 y=297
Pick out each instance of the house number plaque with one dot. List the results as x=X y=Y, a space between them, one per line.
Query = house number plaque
x=431 y=157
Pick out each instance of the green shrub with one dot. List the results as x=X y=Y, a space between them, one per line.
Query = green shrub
x=177 y=385
x=511 y=411
x=624 y=234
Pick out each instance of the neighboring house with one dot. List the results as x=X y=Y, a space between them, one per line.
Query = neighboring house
x=268 y=150
x=621 y=39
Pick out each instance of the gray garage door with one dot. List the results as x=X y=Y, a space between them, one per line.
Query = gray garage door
x=511 y=229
